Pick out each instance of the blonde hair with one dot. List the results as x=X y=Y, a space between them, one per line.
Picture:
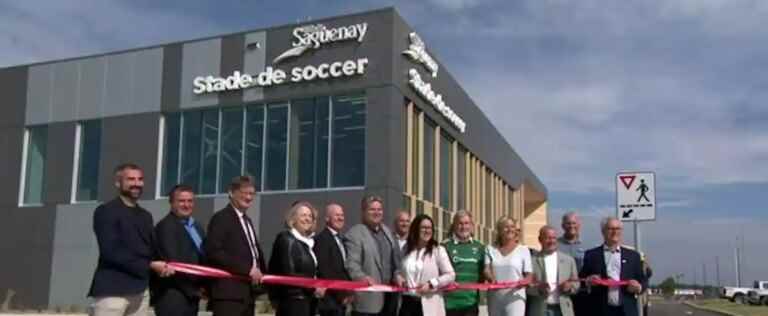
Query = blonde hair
x=498 y=238
x=292 y=214
x=458 y=216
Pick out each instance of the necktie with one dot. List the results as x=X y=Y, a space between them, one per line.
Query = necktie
x=251 y=236
x=192 y=232
x=340 y=242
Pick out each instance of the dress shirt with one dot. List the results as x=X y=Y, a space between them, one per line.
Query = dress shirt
x=189 y=226
x=245 y=223
x=338 y=238
x=613 y=268
x=550 y=266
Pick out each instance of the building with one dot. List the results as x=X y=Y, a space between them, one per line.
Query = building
x=326 y=110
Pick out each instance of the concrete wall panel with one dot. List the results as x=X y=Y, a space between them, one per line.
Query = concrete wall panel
x=39 y=85
x=201 y=58
x=91 y=89
x=254 y=60
x=66 y=81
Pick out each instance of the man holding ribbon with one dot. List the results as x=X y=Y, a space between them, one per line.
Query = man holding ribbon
x=614 y=273
x=232 y=245
x=178 y=238
x=556 y=278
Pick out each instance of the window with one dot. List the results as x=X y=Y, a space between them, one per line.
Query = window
x=309 y=143
x=172 y=152
x=254 y=142
x=461 y=180
x=446 y=170
x=200 y=149
x=348 y=142
x=416 y=175
x=429 y=160
x=231 y=164
x=34 y=165
x=488 y=196
x=277 y=146
x=89 y=154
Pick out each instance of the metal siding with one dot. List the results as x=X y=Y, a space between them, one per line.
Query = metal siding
x=147 y=80
x=254 y=61
x=201 y=58
x=119 y=98
x=91 y=88
x=64 y=91
x=40 y=80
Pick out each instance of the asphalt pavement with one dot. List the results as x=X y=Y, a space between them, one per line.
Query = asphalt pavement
x=673 y=308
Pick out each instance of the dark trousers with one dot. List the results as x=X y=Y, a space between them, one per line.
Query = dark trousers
x=389 y=308
x=411 y=306
x=296 y=307
x=468 y=311
x=580 y=304
x=174 y=303
x=232 y=308
x=615 y=311
x=333 y=312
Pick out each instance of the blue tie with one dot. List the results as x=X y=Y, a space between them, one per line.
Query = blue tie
x=190 y=227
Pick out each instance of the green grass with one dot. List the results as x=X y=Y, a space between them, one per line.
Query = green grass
x=728 y=306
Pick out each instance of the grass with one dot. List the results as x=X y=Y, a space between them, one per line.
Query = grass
x=728 y=306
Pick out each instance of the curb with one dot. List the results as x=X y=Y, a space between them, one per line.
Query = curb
x=710 y=309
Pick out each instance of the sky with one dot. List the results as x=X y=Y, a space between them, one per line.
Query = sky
x=581 y=90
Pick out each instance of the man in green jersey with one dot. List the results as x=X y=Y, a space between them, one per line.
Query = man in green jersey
x=468 y=259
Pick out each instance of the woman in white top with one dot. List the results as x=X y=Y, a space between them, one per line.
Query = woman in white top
x=506 y=260
x=427 y=269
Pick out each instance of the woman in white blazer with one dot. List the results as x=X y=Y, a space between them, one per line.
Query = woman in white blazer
x=426 y=268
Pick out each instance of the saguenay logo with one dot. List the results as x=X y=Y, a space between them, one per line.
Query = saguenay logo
x=316 y=35
x=417 y=51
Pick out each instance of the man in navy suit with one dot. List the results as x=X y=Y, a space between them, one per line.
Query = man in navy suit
x=331 y=254
x=124 y=235
x=612 y=261
x=179 y=238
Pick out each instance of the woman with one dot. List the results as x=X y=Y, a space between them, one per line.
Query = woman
x=292 y=255
x=507 y=261
x=426 y=269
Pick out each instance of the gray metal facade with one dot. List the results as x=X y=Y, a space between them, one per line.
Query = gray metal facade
x=49 y=251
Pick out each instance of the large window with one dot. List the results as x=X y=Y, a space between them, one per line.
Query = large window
x=429 y=160
x=309 y=143
x=348 y=144
x=282 y=145
x=89 y=154
x=34 y=165
x=446 y=170
x=461 y=179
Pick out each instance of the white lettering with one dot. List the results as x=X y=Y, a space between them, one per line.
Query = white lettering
x=417 y=52
x=199 y=83
x=335 y=72
x=322 y=71
x=296 y=74
x=349 y=68
x=435 y=99
x=316 y=35
x=278 y=77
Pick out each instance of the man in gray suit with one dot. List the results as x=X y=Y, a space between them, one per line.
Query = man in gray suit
x=556 y=278
x=373 y=256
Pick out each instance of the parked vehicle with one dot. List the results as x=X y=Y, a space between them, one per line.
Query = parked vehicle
x=741 y=294
x=757 y=297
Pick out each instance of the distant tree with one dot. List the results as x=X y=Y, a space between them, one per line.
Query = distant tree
x=668 y=286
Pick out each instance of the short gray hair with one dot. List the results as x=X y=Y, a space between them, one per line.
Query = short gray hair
x=604 y=222
x=546 y=228
x=568 y=215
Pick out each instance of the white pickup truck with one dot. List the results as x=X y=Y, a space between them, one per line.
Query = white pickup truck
x=740 y=294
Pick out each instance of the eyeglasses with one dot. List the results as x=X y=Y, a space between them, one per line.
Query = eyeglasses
x=425 y=228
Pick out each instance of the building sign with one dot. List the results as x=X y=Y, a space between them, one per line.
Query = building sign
x=417 y=52
x=271 y=76
x=424 y=89
x=316 y=35
x=636 y=196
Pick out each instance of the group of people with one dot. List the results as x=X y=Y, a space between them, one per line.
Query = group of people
x=559 y=279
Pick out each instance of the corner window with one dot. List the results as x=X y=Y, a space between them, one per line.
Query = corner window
x=33 y=172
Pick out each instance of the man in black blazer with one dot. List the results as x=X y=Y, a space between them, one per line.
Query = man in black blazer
x=123 y=232
x=232 y=245
x=179 y=238
x=612 y=261
x=331 y=254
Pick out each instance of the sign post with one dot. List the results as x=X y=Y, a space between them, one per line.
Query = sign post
x=636 y=202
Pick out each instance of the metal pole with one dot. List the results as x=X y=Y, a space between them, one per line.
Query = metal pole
x=637 y=236
x=717 y=269
x=704 y=273
x=738 y=273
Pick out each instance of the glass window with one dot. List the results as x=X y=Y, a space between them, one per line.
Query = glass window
x=200 y=150
x=90 y=153
x=348 y=145
x=488 y=210
x=415 y=176
x=35 y=165
x=309 y=144
x=446 y=170
x=172 y=151
x=277 y=146
x=254 y=142
x=461 y=179
x=429 y=160
x=231 y=164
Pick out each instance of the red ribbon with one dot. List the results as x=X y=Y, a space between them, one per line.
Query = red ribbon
x=343 y=285
x=610 y=282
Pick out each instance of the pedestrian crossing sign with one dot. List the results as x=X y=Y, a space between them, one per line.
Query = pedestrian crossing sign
x=636 y=196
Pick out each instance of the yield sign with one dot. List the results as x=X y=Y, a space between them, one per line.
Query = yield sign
x=627 y=180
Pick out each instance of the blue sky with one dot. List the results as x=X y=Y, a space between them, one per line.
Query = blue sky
x=581 y=89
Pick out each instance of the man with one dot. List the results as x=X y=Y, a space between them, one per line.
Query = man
x=468 y=258
x=179 y=238
x=124 y=235
x=331 y=254
x=402 y=224
x=373 y=256
x=556 y=278
x=232 y=245
x=612 y=261
x=570 y=244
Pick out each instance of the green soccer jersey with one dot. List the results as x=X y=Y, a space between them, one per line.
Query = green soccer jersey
x=468 y=259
